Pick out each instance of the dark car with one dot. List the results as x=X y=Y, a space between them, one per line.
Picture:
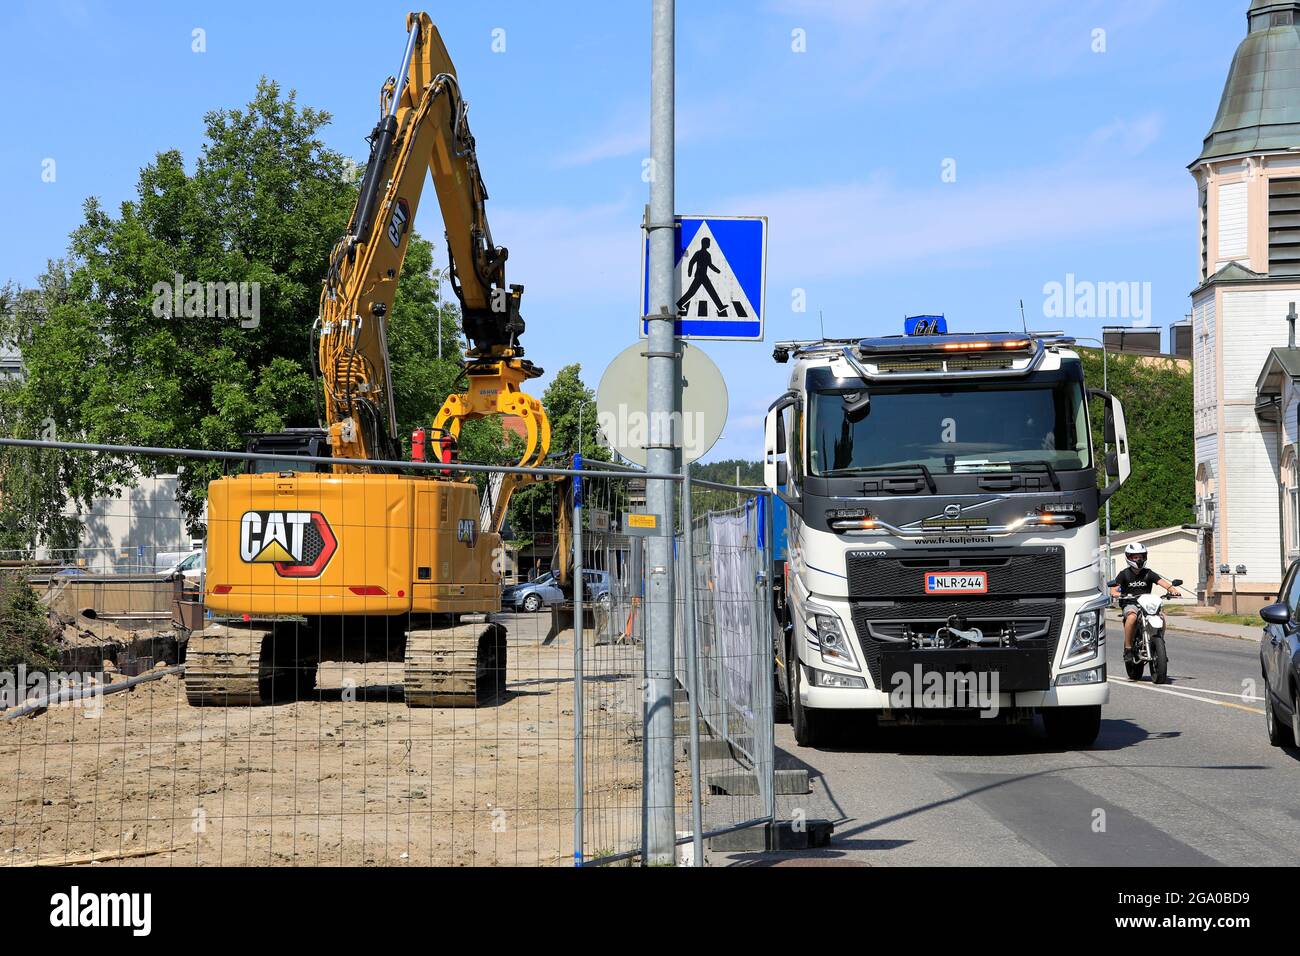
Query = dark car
x=1279 y=652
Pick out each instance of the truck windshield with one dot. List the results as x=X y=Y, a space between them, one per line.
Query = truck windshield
x=960 y=430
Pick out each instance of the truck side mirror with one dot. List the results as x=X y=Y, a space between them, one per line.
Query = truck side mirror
x=775 y=468
x=1117 y=465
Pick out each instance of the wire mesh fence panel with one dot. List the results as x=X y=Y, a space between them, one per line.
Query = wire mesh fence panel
x=374 y=667
x=729 y=606
x=612 y=669
x=358 y=672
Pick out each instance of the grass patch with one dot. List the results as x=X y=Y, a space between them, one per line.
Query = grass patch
x=26 y=638
x=1247 y=620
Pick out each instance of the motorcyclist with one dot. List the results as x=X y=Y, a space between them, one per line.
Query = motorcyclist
x=1135 y=580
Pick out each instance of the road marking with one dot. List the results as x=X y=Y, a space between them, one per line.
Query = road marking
x=1222 y=693
x=1175 y=693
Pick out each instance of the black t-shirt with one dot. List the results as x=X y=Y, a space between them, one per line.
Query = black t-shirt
x=1133 y=583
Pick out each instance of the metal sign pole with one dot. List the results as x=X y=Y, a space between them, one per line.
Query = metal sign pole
x=662 y=396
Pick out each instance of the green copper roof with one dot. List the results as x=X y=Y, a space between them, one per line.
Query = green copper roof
x=1260 y=108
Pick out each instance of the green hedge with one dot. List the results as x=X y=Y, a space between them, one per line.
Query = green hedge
x=1157 y=398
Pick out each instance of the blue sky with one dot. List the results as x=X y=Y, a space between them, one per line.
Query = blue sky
x=1068 y=161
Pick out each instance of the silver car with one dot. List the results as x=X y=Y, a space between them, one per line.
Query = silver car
x=532 y=596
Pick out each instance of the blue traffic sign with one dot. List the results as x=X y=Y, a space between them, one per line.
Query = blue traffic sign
x=721 y=264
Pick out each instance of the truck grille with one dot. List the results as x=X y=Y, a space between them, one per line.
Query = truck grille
x=887 y=598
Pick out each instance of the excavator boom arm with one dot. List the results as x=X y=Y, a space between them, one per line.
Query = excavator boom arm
x=423 y=128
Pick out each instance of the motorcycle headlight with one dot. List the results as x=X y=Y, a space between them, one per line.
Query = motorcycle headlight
x=836 y=648
x=1086 y=636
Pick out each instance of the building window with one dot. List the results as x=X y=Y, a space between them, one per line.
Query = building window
x=1293 y=498
x=1205 y=235
x=1284 y=226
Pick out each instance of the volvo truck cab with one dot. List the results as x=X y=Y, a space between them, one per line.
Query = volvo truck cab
x=943 y=556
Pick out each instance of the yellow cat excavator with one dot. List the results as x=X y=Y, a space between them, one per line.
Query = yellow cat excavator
x=361 y=562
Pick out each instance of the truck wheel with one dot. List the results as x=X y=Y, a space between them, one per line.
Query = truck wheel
x=780 y=700
x=781 y=708
x=1073 y=728
x=1159 y=661
x=809 y=725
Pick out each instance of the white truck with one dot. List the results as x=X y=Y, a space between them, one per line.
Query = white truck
x=942 y=556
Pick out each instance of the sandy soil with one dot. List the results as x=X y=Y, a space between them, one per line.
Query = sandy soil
x=335 y=781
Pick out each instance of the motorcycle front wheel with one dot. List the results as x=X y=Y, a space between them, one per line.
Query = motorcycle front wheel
x=1159 y=661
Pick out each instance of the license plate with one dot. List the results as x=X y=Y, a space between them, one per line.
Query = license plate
x=960 y=582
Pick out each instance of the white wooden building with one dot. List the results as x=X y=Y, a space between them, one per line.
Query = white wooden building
x=1248 y=177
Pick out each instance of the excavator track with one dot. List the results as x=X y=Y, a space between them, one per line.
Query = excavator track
x=459 y=666
x=238 y=667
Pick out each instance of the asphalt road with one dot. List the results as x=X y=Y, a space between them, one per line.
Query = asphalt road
x=1182 y=774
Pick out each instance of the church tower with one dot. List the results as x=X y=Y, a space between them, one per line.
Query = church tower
x=1248 y=177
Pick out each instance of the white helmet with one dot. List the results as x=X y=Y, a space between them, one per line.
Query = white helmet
x=1136 y=555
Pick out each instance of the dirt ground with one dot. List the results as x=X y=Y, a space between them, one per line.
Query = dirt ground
x=354 y=778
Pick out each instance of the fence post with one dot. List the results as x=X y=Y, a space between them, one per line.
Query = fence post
x=576 y=578
x=767 y=499
x=687 y=573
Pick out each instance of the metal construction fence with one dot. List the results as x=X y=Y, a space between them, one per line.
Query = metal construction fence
x=145 y=720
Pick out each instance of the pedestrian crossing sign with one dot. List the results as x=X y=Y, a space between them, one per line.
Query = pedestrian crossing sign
x=721 y=277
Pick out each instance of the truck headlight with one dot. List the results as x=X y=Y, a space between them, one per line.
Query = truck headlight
x=1086 y=636
x=835 y=645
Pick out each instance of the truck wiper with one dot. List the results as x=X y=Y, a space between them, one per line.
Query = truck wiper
x=866 y=469
x=1045 y=465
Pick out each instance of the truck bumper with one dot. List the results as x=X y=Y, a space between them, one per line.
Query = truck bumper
x=841 y=698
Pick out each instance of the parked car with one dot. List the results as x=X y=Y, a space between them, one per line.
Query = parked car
x=532 y=595
x=544 y=591
x=190 y=567
x=1279 y=653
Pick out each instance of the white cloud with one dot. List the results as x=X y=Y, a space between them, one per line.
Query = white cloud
x=856 y=228
x=628 y=133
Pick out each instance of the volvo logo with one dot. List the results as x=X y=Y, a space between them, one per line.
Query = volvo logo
x=952 y=511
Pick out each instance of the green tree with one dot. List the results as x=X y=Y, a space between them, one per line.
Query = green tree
x=264 y=205
x=724 y=472
x=1157 y=398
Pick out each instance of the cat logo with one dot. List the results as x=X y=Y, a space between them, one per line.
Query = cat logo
x=397 y=224
x=299 y=544
x=467 y=531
